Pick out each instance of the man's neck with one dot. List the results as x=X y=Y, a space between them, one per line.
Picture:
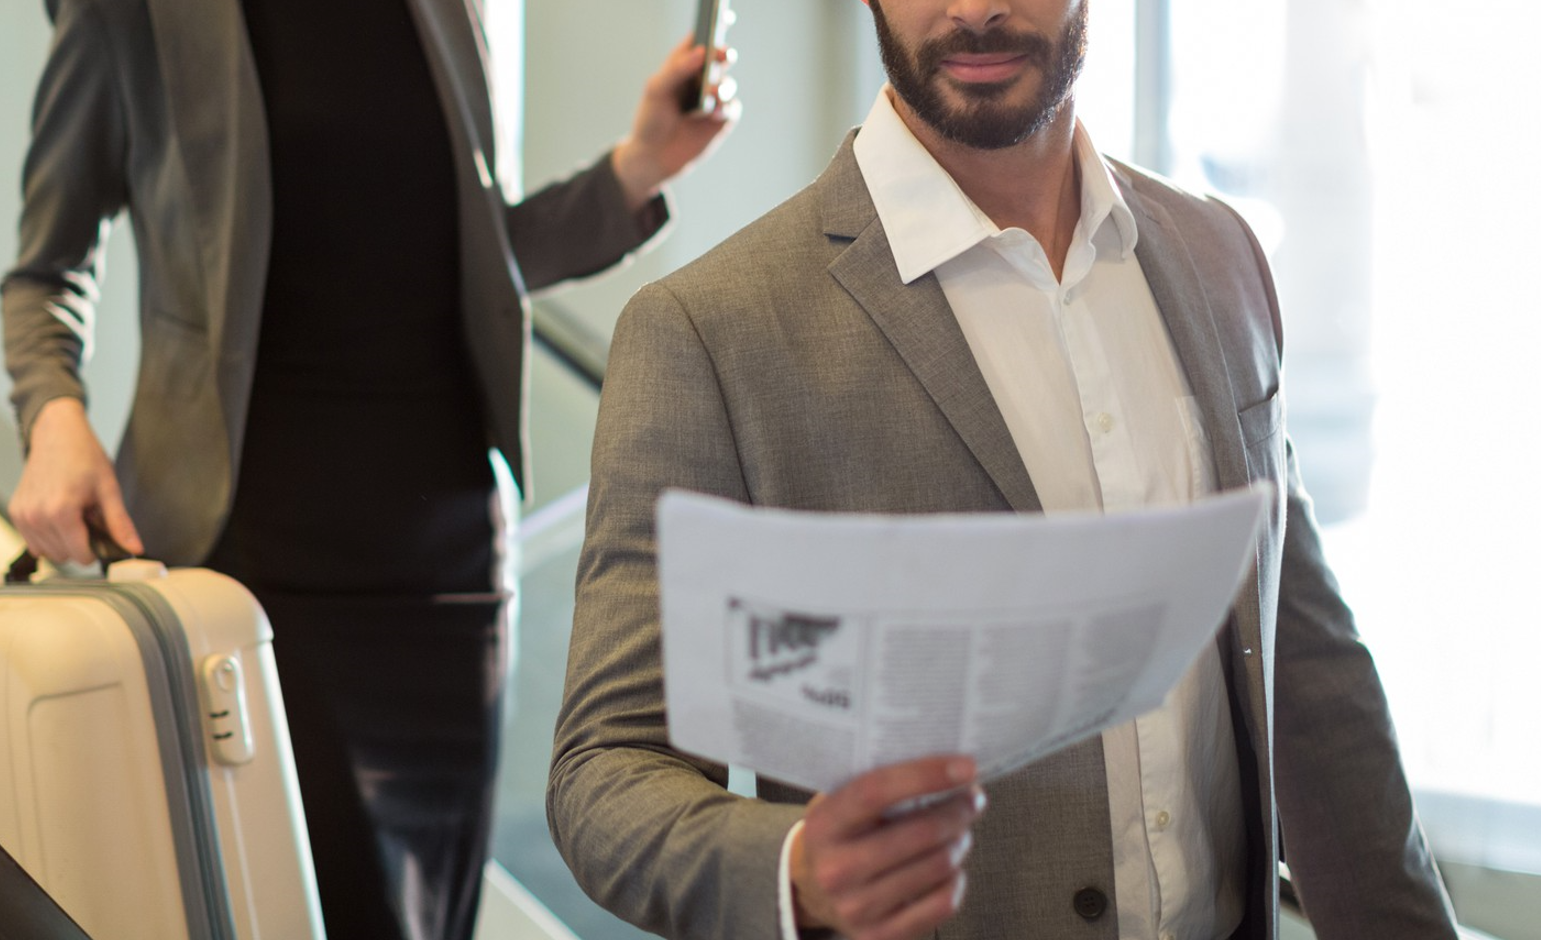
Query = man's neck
x=1034 y=185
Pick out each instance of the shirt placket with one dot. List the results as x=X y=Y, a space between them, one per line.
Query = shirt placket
x=1102 y=413
x=1120 y=476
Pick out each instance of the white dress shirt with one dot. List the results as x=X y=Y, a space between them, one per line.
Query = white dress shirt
x=1085 y=375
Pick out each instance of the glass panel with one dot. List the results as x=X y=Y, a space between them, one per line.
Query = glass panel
x=1443 y=558
x=1105 y=92
x=550 y=535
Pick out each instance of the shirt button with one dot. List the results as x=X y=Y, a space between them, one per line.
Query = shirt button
x=1104 y=422
x=1168 y=935
x=1163 y=819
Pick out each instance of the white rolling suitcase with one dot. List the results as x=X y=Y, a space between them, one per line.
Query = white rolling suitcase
x=146 y=779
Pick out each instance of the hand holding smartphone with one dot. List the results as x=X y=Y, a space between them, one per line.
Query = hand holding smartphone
x=713 y=17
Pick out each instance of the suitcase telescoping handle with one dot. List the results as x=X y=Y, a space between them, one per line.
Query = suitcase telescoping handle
x=103 y=547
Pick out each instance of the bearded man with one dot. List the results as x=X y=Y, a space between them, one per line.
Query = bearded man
x=971 y=311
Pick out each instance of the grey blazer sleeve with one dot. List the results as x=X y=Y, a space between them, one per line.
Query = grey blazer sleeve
x=73 y=184
x=1351 y=836
x=579 y=226
x=651 y=834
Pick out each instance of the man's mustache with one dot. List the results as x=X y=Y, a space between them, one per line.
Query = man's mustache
x=1034 y=47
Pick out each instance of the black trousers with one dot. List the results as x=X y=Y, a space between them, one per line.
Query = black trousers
x=393 y=707
x=364 y=523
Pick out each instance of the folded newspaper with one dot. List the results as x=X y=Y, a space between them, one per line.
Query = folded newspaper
x=810 y=647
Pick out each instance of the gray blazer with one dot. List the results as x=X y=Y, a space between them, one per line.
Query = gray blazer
x=791 y=367
x=154 y=106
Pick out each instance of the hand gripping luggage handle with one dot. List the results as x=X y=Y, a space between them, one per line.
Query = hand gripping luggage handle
x=103 y=547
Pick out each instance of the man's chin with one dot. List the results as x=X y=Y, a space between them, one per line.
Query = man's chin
x=984 y=118
x=992 y=102
x=962 y=94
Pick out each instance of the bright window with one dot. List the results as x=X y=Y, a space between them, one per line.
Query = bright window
x=1383 y=149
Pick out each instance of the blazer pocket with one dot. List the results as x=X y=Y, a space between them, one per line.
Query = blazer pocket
x=1262 y=437
x=174 y=357
x=1261 y=421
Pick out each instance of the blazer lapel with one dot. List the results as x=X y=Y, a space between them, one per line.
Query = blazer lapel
x=454 y=42
x=920 y=325
x=1180 y=295
x=1184 y=306
x=215 y=104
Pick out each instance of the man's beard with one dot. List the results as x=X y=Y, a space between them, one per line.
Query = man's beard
x=984 y=121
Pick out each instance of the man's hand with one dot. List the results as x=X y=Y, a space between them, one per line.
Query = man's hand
x=665 y=140
x=872 y=869
x=66 y=482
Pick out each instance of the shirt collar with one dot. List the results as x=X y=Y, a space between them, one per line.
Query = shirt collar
x=930 y=221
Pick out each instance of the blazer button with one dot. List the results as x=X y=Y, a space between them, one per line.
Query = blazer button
x=1090 y=903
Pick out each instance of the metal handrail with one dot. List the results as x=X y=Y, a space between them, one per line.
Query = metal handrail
x=577 y=345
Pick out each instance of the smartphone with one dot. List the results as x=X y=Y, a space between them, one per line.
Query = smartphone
x=713 y=17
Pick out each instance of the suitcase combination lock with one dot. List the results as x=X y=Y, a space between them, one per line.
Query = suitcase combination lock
x=224 y=687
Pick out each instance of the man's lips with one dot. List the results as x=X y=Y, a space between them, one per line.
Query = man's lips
x=985 y=67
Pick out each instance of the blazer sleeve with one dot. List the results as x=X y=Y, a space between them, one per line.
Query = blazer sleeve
x=651 y=834
x=1351 y=835
x=74 y=183
x=579 y=226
